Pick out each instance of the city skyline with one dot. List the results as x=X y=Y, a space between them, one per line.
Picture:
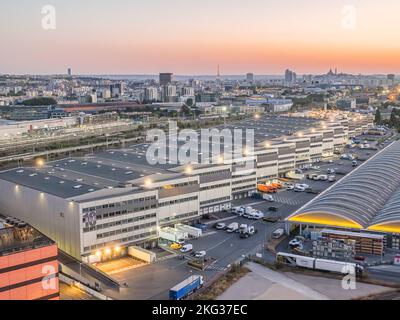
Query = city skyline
x=192 y=38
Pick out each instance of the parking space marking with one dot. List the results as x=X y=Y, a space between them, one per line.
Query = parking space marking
x=289 y=201
x=215 y=268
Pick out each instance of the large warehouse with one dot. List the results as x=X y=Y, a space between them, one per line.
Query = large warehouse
x=105 y=202
x=366 y=199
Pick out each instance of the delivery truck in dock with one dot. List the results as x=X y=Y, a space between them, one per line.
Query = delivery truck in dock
x=192 y=231
x=186 y=287
x=173 y=235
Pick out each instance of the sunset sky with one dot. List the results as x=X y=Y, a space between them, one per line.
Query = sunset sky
x=194 y=36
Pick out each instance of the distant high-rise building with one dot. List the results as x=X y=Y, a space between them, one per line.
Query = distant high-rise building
x=187 y=91
x=93 y=97
x=117 y=90
x=391 y=78
x=290 y=76
x=307 y=78
x=165 y=78
x=106 y=93
x=150 y=94
x=69 y=72
x=169 y=93
x=250 y=77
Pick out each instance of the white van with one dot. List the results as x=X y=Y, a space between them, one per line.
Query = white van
x=187 y=248
x=232 y=227
x=257 y=215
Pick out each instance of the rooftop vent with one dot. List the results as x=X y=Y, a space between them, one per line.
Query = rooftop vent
x=125 y=185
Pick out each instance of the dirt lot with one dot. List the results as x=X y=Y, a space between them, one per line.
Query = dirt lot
x=222 y=284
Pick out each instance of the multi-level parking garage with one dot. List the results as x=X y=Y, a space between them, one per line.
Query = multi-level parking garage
x=367 y=199
x=108 y=201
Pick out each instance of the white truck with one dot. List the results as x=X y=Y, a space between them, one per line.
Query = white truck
x=192 y=231
x=247 y=232
x=234 y=226
x=248 y=212
x=336 y=266
x=318 y=264
x=173 y=235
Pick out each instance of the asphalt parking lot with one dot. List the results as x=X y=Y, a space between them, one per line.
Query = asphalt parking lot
x=154 y=281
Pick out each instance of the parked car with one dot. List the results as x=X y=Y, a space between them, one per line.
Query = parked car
x=299 y=189
x=311 y=176
x=302 y=185
x=238 y=211
x=268 y=198
x=278 y=233
x=257 y=215
x=200 y=254
x=176 y=246
x=234 y=210
x=332 y=178
x=221 y=226
x=186 y=248
x=295 y=243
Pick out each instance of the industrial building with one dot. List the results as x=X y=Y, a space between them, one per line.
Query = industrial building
x=97 y=206
x=366 y=200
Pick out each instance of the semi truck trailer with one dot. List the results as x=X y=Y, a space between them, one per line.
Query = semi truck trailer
x=186 y=287
x=318 y=264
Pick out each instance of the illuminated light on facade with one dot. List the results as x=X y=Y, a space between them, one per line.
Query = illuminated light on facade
x=189 y=170
x=40 y=162
x=392 y=227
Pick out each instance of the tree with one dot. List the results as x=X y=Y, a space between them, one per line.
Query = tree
x=378 y=116
x=393 y=122
x=186 y=110
x=42 y=101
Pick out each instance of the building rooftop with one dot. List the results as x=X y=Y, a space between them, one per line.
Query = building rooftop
x=16 y=236
x=107 y=170
x=367 y=198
